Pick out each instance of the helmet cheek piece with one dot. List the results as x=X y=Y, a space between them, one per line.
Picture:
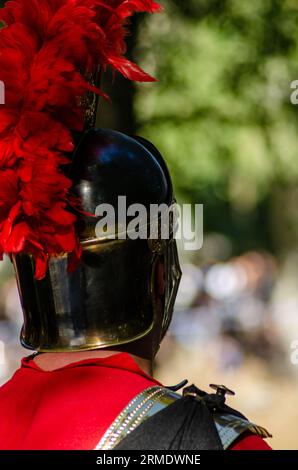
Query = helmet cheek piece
x=173 y=277
x=168 y=250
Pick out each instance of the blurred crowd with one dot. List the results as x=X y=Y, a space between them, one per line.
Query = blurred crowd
x=227 y=305
x=237 y=309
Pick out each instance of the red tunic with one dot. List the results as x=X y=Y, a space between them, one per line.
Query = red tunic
x=72 y=407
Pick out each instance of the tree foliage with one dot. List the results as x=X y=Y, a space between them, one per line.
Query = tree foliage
x=221 y=112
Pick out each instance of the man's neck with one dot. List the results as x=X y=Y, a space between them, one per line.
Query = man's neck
x=52 y=361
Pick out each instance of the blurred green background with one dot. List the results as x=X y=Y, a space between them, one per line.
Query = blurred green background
x=221 y=112
x=222 y=117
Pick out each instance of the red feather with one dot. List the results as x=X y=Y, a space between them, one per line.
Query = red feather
x=129 y=69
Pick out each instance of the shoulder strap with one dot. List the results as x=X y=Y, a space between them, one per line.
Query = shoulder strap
x=146 y=404
x=154 y=400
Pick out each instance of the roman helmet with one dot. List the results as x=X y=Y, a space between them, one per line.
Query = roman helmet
x=109 y=298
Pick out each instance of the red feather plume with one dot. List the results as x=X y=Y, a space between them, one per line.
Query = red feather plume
x=44 y=47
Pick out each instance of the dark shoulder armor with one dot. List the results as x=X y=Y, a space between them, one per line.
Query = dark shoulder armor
x=160 y=419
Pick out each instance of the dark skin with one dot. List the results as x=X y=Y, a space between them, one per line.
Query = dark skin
x=142 y=351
